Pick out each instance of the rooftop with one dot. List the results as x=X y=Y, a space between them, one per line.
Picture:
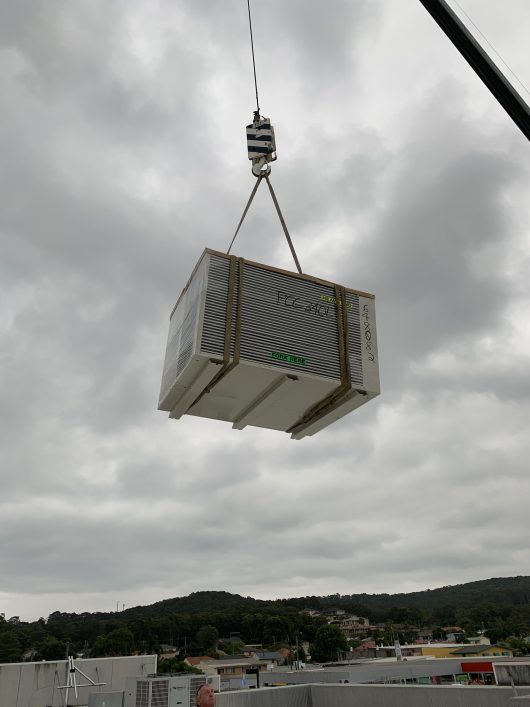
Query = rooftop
x=231 y=662
x=475 y=648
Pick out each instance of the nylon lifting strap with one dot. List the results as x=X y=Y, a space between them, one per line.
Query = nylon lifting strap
x=321 y=408
x=280 y=215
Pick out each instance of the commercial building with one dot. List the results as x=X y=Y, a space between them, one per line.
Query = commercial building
x=414 y=671
x=512 y=673
x=442 y=650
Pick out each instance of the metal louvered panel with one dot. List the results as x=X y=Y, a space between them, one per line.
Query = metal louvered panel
x=354 y=330
x=189 y=325
x=214 y=321
x=292 y=317
x=195 y=683
x=287 y=322
x=142 y=693
x=183 y=327
x=159 y=693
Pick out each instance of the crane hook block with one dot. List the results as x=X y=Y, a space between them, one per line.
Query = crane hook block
x=261 y=145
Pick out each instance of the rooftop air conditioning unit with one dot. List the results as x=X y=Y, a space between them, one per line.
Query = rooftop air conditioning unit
x=254 y=345
x=166 y=691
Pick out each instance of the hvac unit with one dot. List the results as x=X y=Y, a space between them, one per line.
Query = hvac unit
x=166 y=691
x=254 y=345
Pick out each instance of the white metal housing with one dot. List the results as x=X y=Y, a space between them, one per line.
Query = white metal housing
x=255 y=345
x=166 y=690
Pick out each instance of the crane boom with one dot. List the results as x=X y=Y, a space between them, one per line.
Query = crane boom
x=481 y=63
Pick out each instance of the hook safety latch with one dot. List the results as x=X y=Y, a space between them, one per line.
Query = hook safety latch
x=261 y=145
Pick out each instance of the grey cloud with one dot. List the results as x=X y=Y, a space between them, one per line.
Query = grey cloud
x=322 y=39
x=118 y=168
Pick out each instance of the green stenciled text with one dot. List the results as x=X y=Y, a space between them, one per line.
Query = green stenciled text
x=288 y=358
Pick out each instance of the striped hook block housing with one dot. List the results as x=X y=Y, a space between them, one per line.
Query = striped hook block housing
x=255 y=345
x=260 y=139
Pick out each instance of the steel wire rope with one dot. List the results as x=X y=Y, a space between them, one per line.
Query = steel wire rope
x=265 y=175
x=253 y=57
x=284 y=225
x=247 y=207
x=280 y=216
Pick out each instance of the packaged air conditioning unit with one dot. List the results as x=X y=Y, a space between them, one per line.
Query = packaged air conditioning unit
x=254 y=345
x=177 y=690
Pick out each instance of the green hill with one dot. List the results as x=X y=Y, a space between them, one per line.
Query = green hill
x=500 y=605
x=498 y=590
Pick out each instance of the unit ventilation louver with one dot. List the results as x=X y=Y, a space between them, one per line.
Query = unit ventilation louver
x=160 y=693
x=142 y=693
x=255 y=345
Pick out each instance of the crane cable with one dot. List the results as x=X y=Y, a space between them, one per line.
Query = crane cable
x=253 y=57
x=265 y=175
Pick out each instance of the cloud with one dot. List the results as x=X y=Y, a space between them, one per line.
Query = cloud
x=123 y=156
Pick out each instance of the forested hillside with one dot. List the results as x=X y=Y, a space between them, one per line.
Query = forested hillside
x=499 y=590
x=198 y=622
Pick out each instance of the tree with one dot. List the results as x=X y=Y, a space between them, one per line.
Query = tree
x=51 y=649
x=329 y=641
x=496 y=633
x=518 y=645
x=301 y=653
x=252 y=626
x=207 y=638
x=275 y=629
x=121 y=641
x=10 y=647
x=58 y=625
x=117 y=642
x=231 y=646
x=172 y=665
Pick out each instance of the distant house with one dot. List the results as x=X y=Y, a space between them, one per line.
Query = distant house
x=479 y=640
x=333 y=615
x=230 y=667
x=272 y=658
x=354 y=625
x=367 y=649
x=453 y=634
x=454 y=637
x=442 y=650
x=425 y=635
x=250 y=648
x=167 y=650
x=195 y=660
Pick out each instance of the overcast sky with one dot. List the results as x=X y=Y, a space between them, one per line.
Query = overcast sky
x=123 y=155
